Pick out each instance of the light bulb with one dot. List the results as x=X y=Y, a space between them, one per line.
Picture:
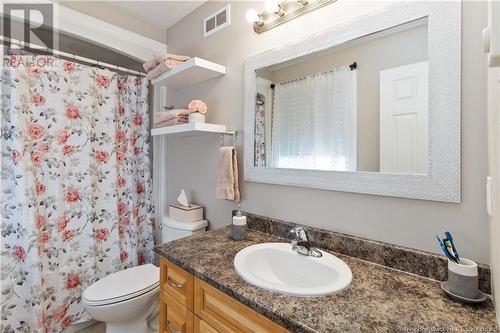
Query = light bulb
x=273 y=6
x=252 y=16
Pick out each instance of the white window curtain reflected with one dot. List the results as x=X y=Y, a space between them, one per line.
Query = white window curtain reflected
x=314 y=122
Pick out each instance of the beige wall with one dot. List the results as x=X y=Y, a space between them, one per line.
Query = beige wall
x=103 y=11
x=192 y=160
x=372 y=56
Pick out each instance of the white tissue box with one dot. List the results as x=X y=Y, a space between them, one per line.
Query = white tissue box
x=181 y=213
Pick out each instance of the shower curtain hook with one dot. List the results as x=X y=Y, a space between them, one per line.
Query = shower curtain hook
x=222 y=140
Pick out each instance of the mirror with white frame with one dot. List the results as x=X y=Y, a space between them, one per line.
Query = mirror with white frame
x=370 y=106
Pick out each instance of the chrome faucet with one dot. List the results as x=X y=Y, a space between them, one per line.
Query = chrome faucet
x=301 y=244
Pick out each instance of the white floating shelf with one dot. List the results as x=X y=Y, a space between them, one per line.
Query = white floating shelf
x=191 y=129
x=191 y=72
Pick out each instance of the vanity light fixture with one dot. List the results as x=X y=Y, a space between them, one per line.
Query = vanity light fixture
x=279 y=11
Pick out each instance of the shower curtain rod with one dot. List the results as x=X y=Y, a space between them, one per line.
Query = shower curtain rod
x=72 y=56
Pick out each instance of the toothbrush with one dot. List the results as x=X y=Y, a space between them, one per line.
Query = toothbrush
x=445 y=250
x=455 y=252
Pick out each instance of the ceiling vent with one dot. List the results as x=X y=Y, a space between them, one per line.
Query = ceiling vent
x=217 y=21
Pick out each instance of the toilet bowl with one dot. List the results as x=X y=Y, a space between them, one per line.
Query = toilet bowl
x=126 y=300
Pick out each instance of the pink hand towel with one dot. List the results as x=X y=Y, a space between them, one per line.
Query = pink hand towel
x=163 y=116
x=152 y=63
x=227 y=175
x=165 y=66
x=172 y=122
x=170 y=56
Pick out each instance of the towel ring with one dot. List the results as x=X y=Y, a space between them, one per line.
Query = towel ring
x=233 y=133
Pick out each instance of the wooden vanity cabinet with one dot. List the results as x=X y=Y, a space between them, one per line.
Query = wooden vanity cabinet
x=189 y=305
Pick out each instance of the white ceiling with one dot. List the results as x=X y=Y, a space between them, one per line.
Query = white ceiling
x=163 y=14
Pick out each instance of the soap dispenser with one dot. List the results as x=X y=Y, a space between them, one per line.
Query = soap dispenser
x=239 y=226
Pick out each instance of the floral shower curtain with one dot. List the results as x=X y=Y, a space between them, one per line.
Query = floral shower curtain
x=76 y=186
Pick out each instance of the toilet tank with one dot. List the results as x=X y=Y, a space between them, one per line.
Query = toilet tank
x=172 y=229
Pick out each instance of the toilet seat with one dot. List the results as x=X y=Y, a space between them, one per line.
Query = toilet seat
x=122 y=286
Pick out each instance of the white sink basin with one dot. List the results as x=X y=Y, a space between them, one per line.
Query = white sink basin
x=275 y=267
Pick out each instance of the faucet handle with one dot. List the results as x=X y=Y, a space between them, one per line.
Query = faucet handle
x=300 y=233
x=295 y=230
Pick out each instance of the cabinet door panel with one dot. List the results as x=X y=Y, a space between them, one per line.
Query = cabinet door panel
x=174 y=317
x=177 y=283
x=227 y=315
x=201 y=326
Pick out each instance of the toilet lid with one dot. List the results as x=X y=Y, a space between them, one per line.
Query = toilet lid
x=123 y=285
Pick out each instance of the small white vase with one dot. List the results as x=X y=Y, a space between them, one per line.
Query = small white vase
x=196 y=117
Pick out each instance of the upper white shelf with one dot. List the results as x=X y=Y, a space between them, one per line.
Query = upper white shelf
x=191 y=72
x=191 y=129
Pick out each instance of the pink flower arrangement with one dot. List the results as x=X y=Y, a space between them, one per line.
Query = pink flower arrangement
x=197 y=106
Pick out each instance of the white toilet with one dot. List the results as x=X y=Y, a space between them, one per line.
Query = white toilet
x=127 y=301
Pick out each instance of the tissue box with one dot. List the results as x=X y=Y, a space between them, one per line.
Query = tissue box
x=181 y=213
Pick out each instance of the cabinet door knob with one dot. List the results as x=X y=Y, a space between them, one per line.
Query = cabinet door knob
x=170 y=329
x=174 y=284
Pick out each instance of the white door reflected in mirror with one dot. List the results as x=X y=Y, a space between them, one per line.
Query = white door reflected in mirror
x=404 y=118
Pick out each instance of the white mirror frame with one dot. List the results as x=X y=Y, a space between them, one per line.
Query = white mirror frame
x=442 y=183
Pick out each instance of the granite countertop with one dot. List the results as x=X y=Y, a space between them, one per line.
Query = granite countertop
x=380 y=299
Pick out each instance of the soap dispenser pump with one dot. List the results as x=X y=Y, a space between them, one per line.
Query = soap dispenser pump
x=239 y=226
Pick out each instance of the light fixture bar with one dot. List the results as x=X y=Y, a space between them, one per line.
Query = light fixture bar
x=291 y=11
